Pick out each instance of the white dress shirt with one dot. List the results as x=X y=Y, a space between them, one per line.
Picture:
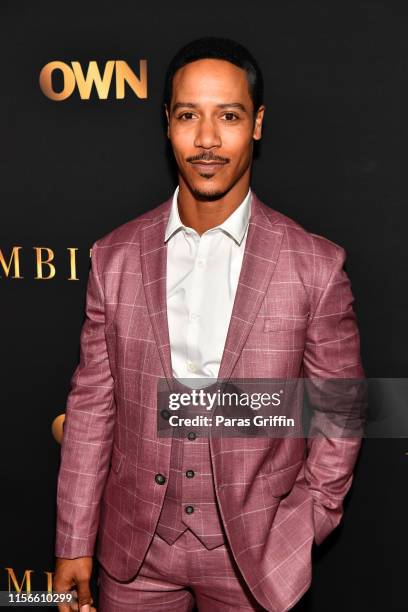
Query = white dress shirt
x=202 y=278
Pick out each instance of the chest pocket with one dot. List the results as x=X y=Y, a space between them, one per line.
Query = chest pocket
x=278 y=324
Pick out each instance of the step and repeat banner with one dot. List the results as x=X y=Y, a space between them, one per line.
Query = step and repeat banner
x=84 y=150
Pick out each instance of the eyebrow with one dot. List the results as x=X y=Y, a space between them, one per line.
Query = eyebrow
x=238 y=105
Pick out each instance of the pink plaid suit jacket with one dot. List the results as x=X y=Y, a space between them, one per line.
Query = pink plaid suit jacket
x=292 y=317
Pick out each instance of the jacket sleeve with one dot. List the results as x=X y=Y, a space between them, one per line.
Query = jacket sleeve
x=88 y=432
x=332 y=351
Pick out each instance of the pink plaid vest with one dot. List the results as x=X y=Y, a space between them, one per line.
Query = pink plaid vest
x=190 y=501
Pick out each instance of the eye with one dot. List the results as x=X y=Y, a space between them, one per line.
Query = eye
x=183 y=116
x=230 y=116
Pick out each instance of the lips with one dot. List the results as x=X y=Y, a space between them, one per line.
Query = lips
x=208 y=166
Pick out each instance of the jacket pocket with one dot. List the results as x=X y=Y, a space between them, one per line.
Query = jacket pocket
x=117 y=460
x=277 y=324
x=282 y=481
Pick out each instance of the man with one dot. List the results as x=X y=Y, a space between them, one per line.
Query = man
x=211 y=283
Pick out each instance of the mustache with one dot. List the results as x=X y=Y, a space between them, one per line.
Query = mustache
x=208 y=157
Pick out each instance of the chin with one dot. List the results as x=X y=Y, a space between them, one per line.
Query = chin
x=208 y=192
x=209 y=195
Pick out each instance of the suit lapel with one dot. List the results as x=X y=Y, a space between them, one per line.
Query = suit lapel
x=153 y=253
x=260 y=257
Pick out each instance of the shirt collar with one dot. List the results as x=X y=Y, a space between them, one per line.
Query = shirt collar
x=235 y=225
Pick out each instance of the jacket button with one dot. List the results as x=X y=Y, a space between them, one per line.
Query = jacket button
x=165 y=414
x=190 y=473
x=189 y=509
x=160 y=479
x=191 y=435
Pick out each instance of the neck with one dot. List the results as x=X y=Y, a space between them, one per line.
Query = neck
x=201 y=214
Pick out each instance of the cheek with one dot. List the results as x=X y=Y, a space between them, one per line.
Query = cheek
x=237 y=143
x=184 y=137
x=182 y=142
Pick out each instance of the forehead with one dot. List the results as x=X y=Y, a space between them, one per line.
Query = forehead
x=211 y=80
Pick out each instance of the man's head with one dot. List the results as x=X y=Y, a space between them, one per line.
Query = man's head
x=214 y=107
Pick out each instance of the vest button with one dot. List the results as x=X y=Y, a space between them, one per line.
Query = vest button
x=191 y=435
x=160 y=479
x=189 y=509
x=190 y=473
x=165 y=414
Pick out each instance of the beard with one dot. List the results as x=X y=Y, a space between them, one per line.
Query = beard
x=209 y=194
x=205 y=191
x=206 y=196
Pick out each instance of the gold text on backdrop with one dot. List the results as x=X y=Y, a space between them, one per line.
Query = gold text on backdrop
x=73 y=76
x=25 y=583
x=45 y=269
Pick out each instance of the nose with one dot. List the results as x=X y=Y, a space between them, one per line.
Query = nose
x=207 y=135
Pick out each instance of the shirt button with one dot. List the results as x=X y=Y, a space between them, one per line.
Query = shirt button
x=189 y=509
x=200 y=263
x=193 y=316
x=191 y=435
x=190 y=473
x=165 y=414
x=160 y=479
x=191 y=367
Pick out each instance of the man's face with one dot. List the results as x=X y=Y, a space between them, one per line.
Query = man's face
x=211 y=120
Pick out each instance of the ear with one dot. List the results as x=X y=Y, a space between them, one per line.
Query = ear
x=166 y=110
x=257 y=133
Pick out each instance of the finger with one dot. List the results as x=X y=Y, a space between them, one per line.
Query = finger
x=84 y=595
x=67 y=607
x=73 y=605
x=64 y=586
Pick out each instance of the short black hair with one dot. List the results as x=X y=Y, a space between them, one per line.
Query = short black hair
x=217 y=48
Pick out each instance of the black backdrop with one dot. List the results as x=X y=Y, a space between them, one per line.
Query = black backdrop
x=333 y=157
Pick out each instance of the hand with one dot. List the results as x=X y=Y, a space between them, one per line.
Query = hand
x=74 y=572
